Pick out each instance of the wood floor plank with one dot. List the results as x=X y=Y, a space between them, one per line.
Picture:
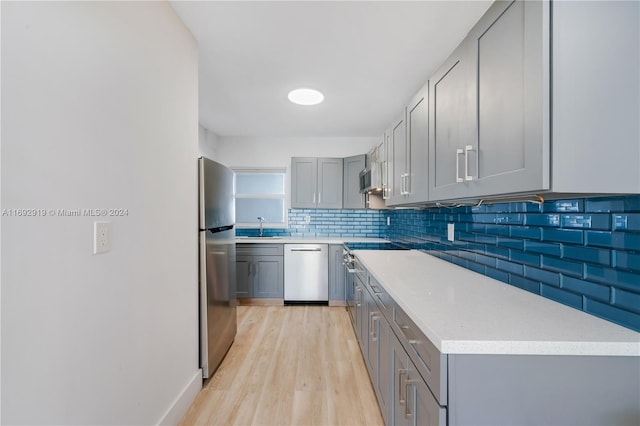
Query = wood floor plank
x=289 y=365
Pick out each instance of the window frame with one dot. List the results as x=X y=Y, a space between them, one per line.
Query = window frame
x=283 y=196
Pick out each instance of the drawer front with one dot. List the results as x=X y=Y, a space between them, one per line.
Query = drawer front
x=259 y=249
x=431 y=364
x=382 y=298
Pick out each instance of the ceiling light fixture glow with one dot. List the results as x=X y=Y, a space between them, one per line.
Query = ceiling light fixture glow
x=305 y=96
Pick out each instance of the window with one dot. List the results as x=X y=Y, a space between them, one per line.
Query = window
x=260 y=192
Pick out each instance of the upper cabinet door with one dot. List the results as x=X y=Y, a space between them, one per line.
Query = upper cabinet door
x=398 y=173
x=452 y=128
x=512 y=152
x=330 y=183
x=416 y=182
x=490 y=107
x=351 y=197
x=304 y=172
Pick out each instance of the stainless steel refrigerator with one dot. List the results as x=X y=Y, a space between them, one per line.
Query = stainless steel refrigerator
x=217 y=264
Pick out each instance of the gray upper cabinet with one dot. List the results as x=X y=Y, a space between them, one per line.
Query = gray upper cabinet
x=304 y=182
x=451 y=122
x=397 y=163
x=416 y=181
x=316 y=182
x=596 y=97
x=351 y=196
x=512 y=148
x=487 y=108
x=497 y=127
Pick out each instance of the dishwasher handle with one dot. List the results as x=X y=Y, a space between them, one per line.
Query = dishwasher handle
x=305 y=249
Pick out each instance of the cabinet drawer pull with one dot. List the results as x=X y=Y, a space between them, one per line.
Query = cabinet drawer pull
x=401 y=372
x=373 y=318
x=459 y=152
x=408 y=414
x=466 y=162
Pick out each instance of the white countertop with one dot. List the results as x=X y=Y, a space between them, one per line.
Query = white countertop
x=463 y=312
x=308 y=240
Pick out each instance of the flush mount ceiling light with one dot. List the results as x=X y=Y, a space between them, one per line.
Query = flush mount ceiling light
x=305 y=96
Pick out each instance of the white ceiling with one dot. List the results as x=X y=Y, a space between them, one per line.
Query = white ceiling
x=367 y=57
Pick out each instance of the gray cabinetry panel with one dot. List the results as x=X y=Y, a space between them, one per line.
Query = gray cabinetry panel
x=416 y=182
x=243 y=276
x=431 y=364
x=316 y=182
x=451 y=122
x=596 y=96
x=543 y=390
x=511 y=153
x=413 y=403
x=330 y=183
x=268 y=280
x=398 y=160
x=351 y=197
x=337 y=273
x=304 y=175
x=260 y=271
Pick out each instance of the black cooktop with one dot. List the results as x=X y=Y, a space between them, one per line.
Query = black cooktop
x=376 y=246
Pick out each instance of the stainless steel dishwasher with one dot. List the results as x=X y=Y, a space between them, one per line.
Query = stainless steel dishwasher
x=306 y=273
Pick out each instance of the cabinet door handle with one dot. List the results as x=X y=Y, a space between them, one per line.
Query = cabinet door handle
x=466 y=162
x=372 y=326
x=319 y=197
x=249 y=268
x=407 y=383
x=401 y=372
x=314 y=198
x=459 y=152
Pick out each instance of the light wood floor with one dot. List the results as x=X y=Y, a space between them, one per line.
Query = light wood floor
x=289 y=365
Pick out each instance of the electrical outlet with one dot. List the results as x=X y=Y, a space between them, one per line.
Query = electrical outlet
x=101 y=237
x=388 y=220
x=451 y=228
x=307 y=219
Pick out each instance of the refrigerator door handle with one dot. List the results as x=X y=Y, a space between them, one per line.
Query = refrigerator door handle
x=204 y=355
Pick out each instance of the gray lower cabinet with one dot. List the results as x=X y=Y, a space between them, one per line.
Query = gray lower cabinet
x=417 y=385
x=260 y=271
x=337 y=275
x=413 y=403
x=316 y=182
x=351 y=196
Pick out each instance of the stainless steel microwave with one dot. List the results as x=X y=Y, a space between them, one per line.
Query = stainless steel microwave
x=370 y=178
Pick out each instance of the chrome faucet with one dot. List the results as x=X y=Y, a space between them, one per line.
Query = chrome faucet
x=261 y=219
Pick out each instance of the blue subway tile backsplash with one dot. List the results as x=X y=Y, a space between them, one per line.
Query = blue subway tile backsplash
x=584 y=253
x=326 y=223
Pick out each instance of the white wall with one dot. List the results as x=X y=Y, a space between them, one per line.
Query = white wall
x=207 y=143
x=99 y=110
x=277 y=151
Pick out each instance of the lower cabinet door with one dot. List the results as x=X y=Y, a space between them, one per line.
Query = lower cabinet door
x=423 y=409
x=268 y=280
x=243 y=276
x=384 y=373
x=399 y=363
x=414 y=404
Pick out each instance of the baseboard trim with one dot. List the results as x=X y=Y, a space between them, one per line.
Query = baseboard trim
x=337 y=303
x=260 y=302
x=183 y=401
